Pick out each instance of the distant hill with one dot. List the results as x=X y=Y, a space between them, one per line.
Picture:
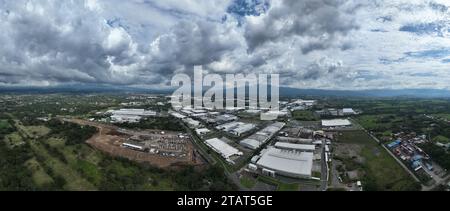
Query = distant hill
x=81 y=89
x=284 y=91
x=416 y=93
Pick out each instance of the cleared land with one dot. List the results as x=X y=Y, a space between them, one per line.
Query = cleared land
x=110 y=140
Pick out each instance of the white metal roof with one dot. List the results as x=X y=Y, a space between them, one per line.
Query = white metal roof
x=177 y=115
x=251 y=143
x=303 y=147
x=336 y=123
x=285 y=161
x=202 y=130
x=348 y=110
x=223 y=148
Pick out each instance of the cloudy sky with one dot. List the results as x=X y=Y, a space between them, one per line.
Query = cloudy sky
x=326 y=44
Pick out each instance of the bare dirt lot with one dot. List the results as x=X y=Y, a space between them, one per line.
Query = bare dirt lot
x=110 y=139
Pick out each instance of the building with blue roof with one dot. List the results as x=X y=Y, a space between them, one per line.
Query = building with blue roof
x=394 y=144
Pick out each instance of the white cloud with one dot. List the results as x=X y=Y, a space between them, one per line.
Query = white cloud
x=333 y=44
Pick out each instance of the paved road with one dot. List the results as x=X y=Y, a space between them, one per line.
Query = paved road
x=324 y=179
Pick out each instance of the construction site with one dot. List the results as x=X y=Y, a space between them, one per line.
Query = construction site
x=162 y=149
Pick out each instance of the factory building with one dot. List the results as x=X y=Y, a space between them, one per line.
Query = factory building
x=290 y=163
x=177 y=115
x=224 y=149
x=348 y=111
x=260 y=138
x=336 y=123
x=296 y=147
x=192 y=123
x=236 y=128
x=129 y=115
x=226 y=118
x=202 y=131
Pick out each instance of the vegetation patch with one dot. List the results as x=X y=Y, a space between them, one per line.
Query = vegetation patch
x=288 y=187
x=304 y=116
x=248 y=182
x=381 y=171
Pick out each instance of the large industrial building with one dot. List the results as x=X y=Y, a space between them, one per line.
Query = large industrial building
x=192 y=123
x=336 y=123
x=224 y=149
x=348 y=111
x=236 y=128
x=129 y=115
x=296 y=147
x=177 y=115
x=274 y=161
x=260 y=138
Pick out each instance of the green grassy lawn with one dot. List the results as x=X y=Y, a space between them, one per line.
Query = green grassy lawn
x=304 y=116
x=87 y=169
x=288 y=187
x=14 y=140
x=85 y=161
x=280 y=185
x=52 y=162
x=382 y=172
x=372 y=122
x=73 y=180
x=37 y=131
x=40 y=177
x=248 y=182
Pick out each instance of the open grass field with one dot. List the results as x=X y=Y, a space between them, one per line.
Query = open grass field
x=14 y=140
x=76 y=167
x=37 y=131
x=248 y=182
x=304 y=116
x=72 y=179
x=40 y=177
x=379 y=170
x=94 y=166
x=288 y=187
x=281 y=186
x=373 y=122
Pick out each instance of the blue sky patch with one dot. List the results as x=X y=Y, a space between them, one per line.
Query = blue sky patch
x=446 y=61
x=243 y=8
x=435 y=28
x=434 y=54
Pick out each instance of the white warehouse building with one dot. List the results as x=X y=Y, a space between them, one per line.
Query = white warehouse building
x=286 y=163
x=129 y=115
x=224 y=149
x=336 y=123
x=296 y=147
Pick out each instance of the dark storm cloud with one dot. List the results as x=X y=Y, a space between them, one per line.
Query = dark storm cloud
x=62 y=42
